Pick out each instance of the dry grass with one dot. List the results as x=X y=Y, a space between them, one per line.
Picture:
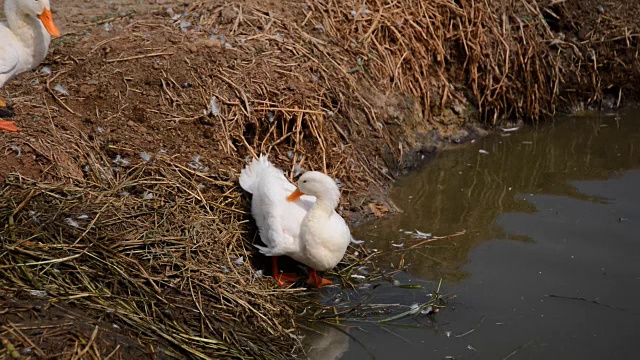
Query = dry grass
x=521 y=59
x=145 y=248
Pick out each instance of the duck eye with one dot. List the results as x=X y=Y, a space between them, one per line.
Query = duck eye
x=304 y=181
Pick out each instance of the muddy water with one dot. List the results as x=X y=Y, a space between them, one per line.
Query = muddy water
x=548 y=266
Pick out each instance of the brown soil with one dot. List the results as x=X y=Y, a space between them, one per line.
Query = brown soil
x=362 y=96
x=156 y=102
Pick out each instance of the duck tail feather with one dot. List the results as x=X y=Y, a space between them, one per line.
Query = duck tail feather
x=250 y=175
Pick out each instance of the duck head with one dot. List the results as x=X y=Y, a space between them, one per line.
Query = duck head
x=317 y=184
x=40 y=9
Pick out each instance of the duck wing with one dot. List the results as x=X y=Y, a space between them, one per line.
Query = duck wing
x=278 y=220
x=9 y=56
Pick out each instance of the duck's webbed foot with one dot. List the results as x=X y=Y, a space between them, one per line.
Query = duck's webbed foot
x=316 y=281
x=286 y=278
x=8 y=126
x=281 y=278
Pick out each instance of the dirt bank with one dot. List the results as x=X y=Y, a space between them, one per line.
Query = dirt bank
x=120 y=214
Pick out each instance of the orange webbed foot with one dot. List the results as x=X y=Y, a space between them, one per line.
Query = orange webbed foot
x=316 y=280
x=286 y=278
x=281 y=278
x=8 y=126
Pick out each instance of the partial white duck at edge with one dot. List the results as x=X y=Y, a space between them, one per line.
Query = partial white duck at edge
x=297 y=222
x=24 y=42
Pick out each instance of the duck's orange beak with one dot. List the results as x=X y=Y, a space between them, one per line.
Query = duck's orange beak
x=47 y=21
x=295 y=195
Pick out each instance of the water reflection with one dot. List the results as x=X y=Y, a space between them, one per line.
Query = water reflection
x=465 y=189
x=325 y=341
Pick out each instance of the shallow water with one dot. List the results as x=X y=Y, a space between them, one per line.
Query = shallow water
x=549 y=264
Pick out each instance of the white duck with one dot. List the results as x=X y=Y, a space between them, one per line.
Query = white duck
x=24 y=42
x=292 y=223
